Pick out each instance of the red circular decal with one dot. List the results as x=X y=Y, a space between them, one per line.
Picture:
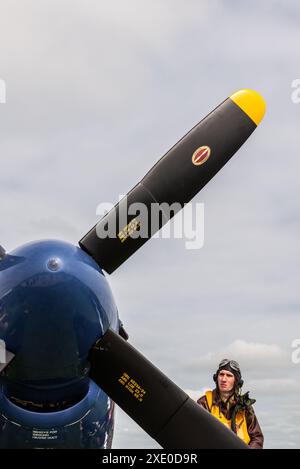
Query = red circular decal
x=201 y=155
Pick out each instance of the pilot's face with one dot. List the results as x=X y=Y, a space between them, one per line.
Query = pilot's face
x=226 y=381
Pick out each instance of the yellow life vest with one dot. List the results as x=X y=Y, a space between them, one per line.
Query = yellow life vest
x=240 y=419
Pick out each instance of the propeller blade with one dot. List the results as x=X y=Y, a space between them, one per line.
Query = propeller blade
x=7 y=261
x=176 y=178
x=2 y=253
x=152 y=400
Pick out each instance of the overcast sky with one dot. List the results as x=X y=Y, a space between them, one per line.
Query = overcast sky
x=97 y=92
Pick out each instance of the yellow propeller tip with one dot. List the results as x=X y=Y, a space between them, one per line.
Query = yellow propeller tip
x=251 y=102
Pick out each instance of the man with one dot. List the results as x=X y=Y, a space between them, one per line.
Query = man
x=232 y=408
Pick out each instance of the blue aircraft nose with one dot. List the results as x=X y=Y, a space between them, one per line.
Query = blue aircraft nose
x=55 y=303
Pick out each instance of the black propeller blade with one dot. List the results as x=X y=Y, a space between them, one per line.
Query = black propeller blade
x=158 y=405
x=176 y=178
x=2 y=253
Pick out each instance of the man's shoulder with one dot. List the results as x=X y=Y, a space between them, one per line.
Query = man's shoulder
x=203 y=399
x=250 y=411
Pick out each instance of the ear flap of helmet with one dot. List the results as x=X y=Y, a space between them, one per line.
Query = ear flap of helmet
x=240 y=383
